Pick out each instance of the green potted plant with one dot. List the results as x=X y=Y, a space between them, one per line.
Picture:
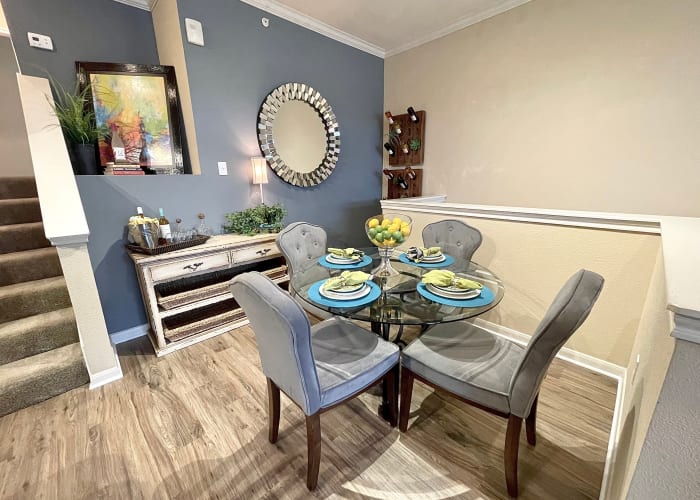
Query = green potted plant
x=79 y=127
x=251 y=221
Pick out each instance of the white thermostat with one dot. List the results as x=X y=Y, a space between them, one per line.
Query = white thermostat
x=195 y=35
x=40 y=41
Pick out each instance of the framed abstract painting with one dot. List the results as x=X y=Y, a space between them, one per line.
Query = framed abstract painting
x=138 y=107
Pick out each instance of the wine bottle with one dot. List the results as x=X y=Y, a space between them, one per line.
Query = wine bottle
x=165 y=236
x=118 y=148
x=412 y=115
x=389 y=117
x=389 y=148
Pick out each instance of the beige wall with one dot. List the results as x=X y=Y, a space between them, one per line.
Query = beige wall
x=166 y=24
x=654 y=345
x=534 y=261
x=3 y=21
x=14 y=148
x=572 y=104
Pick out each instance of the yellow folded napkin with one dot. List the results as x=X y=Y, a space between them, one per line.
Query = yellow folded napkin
x=346 y=252
x=416 y=254
x=347 y=278
x=448 y=278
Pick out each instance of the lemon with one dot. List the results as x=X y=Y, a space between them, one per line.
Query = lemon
x=373 y=223
x=393 y=228
x=390 y=242
x=396 y=221
x=386 y=223
x=405 y=230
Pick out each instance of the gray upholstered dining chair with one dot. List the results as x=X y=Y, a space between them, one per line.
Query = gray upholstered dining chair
x=456 y=238
x=494 y=374
x=302 y=244
x=318 y=367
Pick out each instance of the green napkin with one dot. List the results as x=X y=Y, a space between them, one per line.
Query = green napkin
x=347 y=278
x=346 y=252
x=417 y=254
x=447 y=278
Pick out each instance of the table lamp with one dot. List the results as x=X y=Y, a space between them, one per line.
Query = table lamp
x=259 y=173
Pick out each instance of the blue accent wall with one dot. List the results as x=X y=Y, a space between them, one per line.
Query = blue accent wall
x=229 y=77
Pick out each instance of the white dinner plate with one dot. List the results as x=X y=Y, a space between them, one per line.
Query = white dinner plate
x=342 y=260
x=460 y=295
x=434 y=259
x=349 y=288
x=333 y=295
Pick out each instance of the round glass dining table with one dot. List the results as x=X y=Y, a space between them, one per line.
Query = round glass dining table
x=400 y=303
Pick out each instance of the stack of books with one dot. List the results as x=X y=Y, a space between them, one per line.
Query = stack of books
x=123 y=169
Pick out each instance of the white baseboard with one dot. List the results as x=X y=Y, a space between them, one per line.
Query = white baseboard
x=567 y=354
x=107 y=376
x=129 y=334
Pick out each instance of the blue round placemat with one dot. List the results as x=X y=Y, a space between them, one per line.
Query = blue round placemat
x=316 y=296
x=484 y=299
x=366 y=260
x=449 y=260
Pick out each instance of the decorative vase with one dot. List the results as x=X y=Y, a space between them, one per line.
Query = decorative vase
x=84 y=159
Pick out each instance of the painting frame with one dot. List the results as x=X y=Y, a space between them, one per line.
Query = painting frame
x=171 y=102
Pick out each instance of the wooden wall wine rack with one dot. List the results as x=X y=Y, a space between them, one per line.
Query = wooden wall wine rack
x=414 y=188
x=409 y=131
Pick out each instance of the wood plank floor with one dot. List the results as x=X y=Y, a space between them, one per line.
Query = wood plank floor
x=193 y=425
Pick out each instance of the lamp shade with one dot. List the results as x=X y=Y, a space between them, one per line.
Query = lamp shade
x=259 y=170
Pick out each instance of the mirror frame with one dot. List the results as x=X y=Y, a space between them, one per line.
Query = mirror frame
x=266 y=125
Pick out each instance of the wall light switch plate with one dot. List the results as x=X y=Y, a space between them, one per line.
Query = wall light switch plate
x=223 y=168
x=195 y=35
x=40 y=41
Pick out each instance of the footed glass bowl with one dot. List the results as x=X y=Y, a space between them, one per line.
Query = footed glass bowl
x=387 y=231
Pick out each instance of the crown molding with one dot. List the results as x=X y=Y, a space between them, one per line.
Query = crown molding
x=462 y=23
x=139 y=4
x=301 y=19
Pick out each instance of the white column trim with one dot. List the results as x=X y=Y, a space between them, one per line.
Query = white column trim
x=109 y=375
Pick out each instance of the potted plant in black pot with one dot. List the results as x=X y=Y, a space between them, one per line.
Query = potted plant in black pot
x=80 y=129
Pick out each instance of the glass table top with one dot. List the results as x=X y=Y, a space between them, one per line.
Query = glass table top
x=400 y=303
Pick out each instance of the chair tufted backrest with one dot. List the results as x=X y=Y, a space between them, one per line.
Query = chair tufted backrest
x=456 y=238
x=570 y=308
x=301 y=244
x=283 y=335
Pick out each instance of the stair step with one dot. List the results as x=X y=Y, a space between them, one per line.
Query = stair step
x=33 y=297
x=17 y=187
x=33 y=335
x=20 y=237
x=29 y=265
x=19 y=210
x=30 y=380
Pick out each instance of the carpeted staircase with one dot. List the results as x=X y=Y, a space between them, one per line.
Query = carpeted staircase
x=40 y=356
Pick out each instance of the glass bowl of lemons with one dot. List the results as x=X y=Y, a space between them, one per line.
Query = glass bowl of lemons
x=387 y=231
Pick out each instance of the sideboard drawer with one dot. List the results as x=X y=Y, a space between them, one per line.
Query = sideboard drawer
x=190 y=266
x=255 y=252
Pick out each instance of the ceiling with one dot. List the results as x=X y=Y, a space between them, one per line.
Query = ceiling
x=380 y=27
x=385 y=27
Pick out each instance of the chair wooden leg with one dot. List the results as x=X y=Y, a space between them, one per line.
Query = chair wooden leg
x=531 y=423
x=510 y=455
x=273 y=410
x=392 y=385
x=313 y=447
x=406 y=393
